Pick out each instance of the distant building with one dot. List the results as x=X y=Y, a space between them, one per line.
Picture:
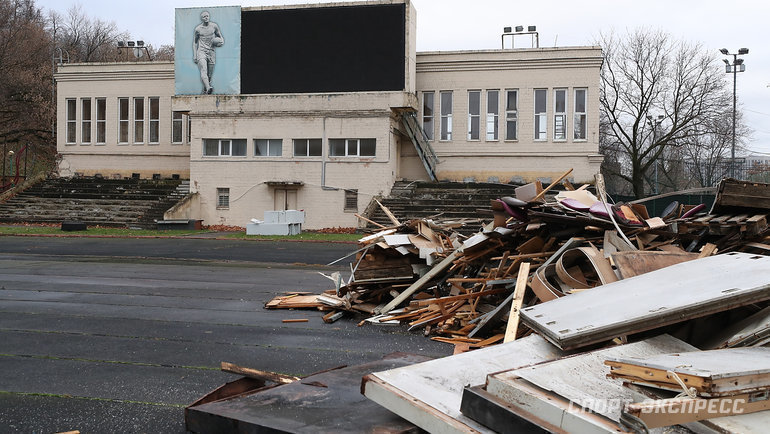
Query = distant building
x=325 y=120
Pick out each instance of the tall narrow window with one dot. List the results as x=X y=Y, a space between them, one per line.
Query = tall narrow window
x=101 y=121
x=579 y=120
x=138 y=120
x=72 y=123
x=189 y=129
x=541 y=121
x=85 y=120
x=511 y=114
x=474 y=114
x=560 y=114
x=154 y=120
x=122 y=120
x=446 y=115
x=427 y=114
x=493 y=113
x=177 y=127
x=223 y=198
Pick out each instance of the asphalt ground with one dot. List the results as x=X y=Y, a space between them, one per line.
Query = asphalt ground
x=108 y=335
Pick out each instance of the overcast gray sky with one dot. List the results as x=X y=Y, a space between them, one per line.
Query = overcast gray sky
x=467 y=25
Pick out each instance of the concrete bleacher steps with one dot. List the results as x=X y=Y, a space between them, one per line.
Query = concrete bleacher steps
x=443 y=200
x=104 y=202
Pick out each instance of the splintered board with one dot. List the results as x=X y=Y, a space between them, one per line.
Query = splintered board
x=673 y=294
x=712 y=373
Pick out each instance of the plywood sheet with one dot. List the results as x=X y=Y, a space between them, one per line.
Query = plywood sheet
x=673 y=294
x=634 y=263
x=438 y=384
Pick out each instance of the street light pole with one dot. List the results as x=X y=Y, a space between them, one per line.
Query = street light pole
x=735 y=67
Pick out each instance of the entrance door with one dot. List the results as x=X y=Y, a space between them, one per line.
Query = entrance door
x=285 y=199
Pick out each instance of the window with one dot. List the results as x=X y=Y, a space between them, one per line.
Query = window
x=189 y=129
x=307 y=147
x=154 y=120
x=85 y=120
x=446 y=115
x=493 y=97
x=223 y=198
x=352 y=147
x=427 y=114
x=224 y=147
x=560 y=114
x=474 y=114
x=72 y=123
x=268 y=147
x=101 y=121
x=139 y=120
x=351 y=200
x=541 y=122
x=511 y=114
x=122 y=120
x=177 y=127
x=579 y=120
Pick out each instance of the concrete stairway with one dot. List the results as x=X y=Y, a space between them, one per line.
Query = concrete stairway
x=95 y=201
x=444 y=200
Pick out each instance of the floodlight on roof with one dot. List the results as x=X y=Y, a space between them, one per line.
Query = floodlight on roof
x=532 y=28
x=121 y=43
x=727 y=62
x=506 y=30
x=519 y=28
x=131 y=43
x=743 y=51
x=140 y=43
x=723 y=50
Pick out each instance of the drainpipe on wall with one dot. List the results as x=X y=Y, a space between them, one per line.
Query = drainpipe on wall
x=323 y=160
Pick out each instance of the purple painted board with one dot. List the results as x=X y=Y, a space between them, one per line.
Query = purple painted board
x=599 y=209
x=693 y=211
x=574 y=204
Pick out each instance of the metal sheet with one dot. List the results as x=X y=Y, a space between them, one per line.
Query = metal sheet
x=582 y=379
x=325 y=402
x=437 y=385
x=666 y=296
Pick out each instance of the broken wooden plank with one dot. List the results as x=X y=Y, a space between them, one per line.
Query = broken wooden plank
x=518 y=298
x=676 y=411
x=388 y=213
x=293 y=320
x=553 y=184
x=630 y=264
x=257 y=374
x=712 y=373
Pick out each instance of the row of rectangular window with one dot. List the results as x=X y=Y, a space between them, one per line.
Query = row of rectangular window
x=125 y=119
x=511 y=114
x=301 y=147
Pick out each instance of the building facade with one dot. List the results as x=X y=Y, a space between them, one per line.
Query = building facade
x=493 y=115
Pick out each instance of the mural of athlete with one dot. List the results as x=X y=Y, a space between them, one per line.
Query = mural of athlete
x=206 y=38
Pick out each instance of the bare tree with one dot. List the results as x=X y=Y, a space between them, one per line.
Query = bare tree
x=647 y=73
x=85 y=39
x=25 y=74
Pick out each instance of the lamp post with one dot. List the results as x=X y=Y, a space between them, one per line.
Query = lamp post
x=654 y=123
x=735 y=67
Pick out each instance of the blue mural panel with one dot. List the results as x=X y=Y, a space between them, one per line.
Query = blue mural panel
x=208 y=51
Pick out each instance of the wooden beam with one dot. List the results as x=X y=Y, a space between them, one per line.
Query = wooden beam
x=388 y=213
x=459 y=297
x=257 y=374
x=369 y=221
x=518 y=299
x=553 y=184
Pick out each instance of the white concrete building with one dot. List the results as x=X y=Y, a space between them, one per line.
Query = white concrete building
x=493 y=115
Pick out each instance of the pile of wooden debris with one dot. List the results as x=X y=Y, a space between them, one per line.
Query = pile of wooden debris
x=541 y=246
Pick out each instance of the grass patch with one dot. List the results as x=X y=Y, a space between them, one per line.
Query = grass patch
x=128 y=233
